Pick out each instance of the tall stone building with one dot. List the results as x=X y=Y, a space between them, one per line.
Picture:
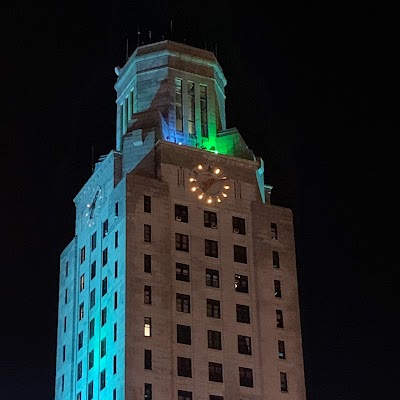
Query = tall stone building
x=180 y=282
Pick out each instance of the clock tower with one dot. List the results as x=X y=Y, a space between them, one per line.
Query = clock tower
x=180 y=282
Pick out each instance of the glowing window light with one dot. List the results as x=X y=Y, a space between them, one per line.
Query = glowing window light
x=226 y=187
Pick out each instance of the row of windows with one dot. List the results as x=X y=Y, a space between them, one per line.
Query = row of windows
x=105 y=251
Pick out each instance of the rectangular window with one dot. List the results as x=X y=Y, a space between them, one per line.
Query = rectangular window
x=66 y=268
x=91 y=359
x=244 y=344
x=114 y=365
x=66 y=296
x=79 y=396
x=115 y=332
x=147 y=294
x=115 y=394
x=242 y=313
x=82 y=282
x=81 y=311
x=213 y=397
x=279 y=319
x=213 y=308
x=91 y=328
x=184 y=395
x=116 y=239
x=93 y=241
x=63 y=353
x=148 y=391
x=183 y=303
x=105 y=257
x=215 y=372
x=103 y=348
x=147 y=204
x=191 y=109
x=105 y=228
x=184 y=367
x=80 y=340
x=246 y=377
x=79 y=371
x=65 y=324
x=284 y=384
x=239 y=225
x=93 y=270
x=274 y=231
x=184 y=334
x=62 y=383
x=116 y=269
x=181 y=242
x=90 y=390
x=147 y=233
x=240 y=254
x=92 y=298
x=147 y=359
x=210 y=219
x=83 y=254
x=214 y=340
x=104 y=316
x=182 y=272
x=181 y=213
x=147 y=326
x=277 y=289
x=102 y=379
x=212 y=277
x=241 y=283
x=203 y=111
x=178 y=105
x=147 y=263
x=281 y=349
x=116 y=209
x=275 y=259
x=104 y=285
x=115 y=300
x=211 y=248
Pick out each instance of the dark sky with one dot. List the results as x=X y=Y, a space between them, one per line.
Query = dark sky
x=314 y=92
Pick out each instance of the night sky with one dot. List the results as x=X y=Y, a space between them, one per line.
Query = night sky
x=314 y=92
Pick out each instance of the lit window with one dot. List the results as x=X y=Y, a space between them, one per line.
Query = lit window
x=246 y=377
x=213 y=308
x=212 y=278
x=214 y=340
x=239 y=225
x=181 y=242
x=184 y=367
x=211 y=248
x=241 y=283
x=147 y=326
x=215 y=372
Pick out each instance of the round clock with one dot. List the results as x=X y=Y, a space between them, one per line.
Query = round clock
x=209 y=183
x=93 y=205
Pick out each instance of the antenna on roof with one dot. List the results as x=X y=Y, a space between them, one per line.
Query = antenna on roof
x=127 y=49
x=138 y=36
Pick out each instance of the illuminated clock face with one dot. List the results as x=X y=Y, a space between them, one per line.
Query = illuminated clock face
x=93 y=206
x=208 y=183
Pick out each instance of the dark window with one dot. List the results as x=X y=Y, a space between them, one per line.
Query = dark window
x=115 y=300
x=147 y=233
x=246 y=377
x=240 y=254
x=211 y=248
x=281 y=349
x=103 y=316
x=102 y=379
x=91 y=328
x=241 y=283
x=148 y=391
x=147 y=359
x=184 y=395
x=183 y=303
x=114 y=394
x=81 y=311
x=147 y=204
x=184 y=334
x=90 y=390
x=93 y=241
x=275 y=259
x=92 y=298
x=213 y=397
x=213 y=308
x=116 y=269
x=114 y=365
x=147 y=294
x=182 y=272
x=105 y=256
x=147 y=326
x=181 y=242
x=93 y=270
x=284 y=385
x=212 y=277
x=62 y=383
x=210 y=219
x=214 y=340
x=181 y=213
x=63 y=353
x=65 y=324
x=79 y=371
x=66 y=296
x=147 y=263
x=80 y=340
x=242 y=313
x=104 y=286
x=215 y=372
x=116 y=209
x=82 y=282
x=83 y=254
x=115 y=332
x=105 y=228
x=244 y=344
x=103 y=348
x=66 y=268
x=116 y=239
x=91 y=359
x=277 y=289
x=274 y=231
x=239 y=225
x=279 y=318
x=184 y=367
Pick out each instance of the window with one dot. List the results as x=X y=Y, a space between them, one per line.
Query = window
x=239 y=225
x=79 y=396
x=103 y=316
x=277 y=289
x=242 y=313
x=147 y=294
x=66 y=268
x=184 y=395
x=80 y=340
x=214 y=340
x=279 y=319
x=92 y=298
x=240 y=254
x=114 y=394
x=102 y=379
x=93 y=270
x=103 y=348
x=181 y=242
x=281 y=349
x=79 y=371
x=184 y=334
x=147 y=263
x=90 y=390
x=211 y=248
x=83 y=254
x=181 y=213
x=147 y=204
x=114 y=365
x=65 y=324
x=104 y=285
x=178 y=105
x=82 y=282
x=105 y=228
x=274 y=231
x=184 y=367
x=148 y=391
x=183 y=303
x=116 y=239
x=147 y=326
x=215 y=372
x=147 y=359
x=147 y=233
x=284 y=384
x=93 y=241
x=116 y=209
x=241 y=283
x=275 y=259
x=244 y=344
x=115 y=332
x=213 y=308
x=246 y=377
x=91 y=359
x=191 y=109
x=91 y=328
x=210 y=219
x=66 y=296
x=182 y=272
x=116 y=269
x=62 y=383
x=105 y=256
x=115 y=300
x=63 y=353
x=203 y=111
x=213 y=397
x=81 y=311
x=212 y=277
